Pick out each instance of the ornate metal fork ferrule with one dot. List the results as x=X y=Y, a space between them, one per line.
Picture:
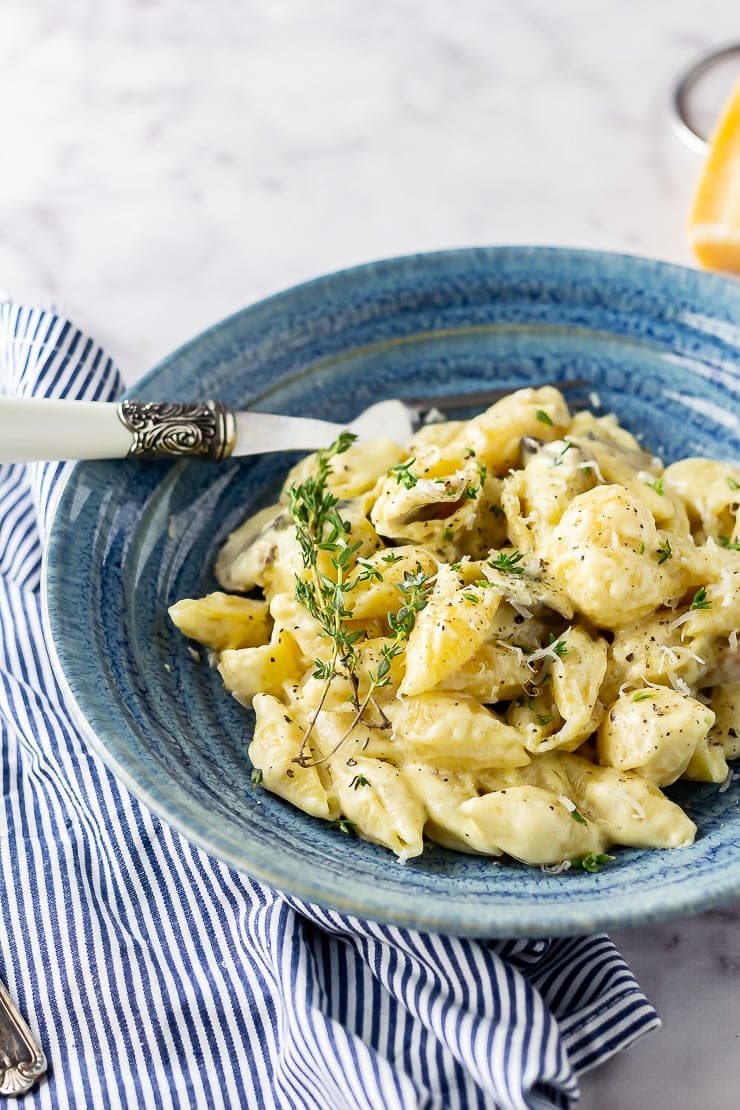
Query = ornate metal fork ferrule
x=170 y=431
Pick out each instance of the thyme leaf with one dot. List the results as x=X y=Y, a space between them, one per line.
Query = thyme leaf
x=665 y=552
x=319 y=528
x=560 y=648
x=700 y=599
x=593 y=862
x=402 y=474
x=343 y=825
x=509 y=562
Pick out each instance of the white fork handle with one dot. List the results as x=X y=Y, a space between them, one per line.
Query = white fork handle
x=39 y=429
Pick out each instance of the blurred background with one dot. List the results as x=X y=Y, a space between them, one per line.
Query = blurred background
x=165 y=162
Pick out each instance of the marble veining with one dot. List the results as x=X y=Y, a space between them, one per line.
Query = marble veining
x=164 y=166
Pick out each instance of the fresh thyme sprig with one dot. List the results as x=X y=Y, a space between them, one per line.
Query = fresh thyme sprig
x=510 y=562
x=320 y=528
x=415 y=589
x=312 y=505
x=402 y=474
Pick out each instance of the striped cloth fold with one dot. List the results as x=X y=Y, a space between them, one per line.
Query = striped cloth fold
x=157 y=977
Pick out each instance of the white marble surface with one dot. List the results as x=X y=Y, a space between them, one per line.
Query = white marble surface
x=167 y=161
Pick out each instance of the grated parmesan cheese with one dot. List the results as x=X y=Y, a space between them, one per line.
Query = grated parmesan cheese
x=726 y=583
x=668 y=658
x=679 y=684
x=429 y=488
x=727 y=782
x=547 y=652
x=680 y=620
x=672 y=657
x=512 y=647
x=593 y=465
x=556 y=868
x=639 y=812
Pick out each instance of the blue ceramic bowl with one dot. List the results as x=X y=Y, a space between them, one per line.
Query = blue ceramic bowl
x=660 y=344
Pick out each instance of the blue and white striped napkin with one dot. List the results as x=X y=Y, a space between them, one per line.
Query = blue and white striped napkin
x=157 y=977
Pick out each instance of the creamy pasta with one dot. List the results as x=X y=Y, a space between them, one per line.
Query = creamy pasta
x=508 y=636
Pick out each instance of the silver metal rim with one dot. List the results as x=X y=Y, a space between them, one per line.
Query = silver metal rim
x=681 y=100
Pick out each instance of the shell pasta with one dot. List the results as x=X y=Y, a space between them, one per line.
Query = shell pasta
x=508 y=636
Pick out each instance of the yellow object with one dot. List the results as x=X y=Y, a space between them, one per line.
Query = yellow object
x=222 y=621
x=714 y=224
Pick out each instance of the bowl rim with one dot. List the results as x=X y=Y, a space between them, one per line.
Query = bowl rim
x=523 y=918
x=580 y=255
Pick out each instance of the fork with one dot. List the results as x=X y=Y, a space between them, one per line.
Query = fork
x=34 y=430
x=21 y=1060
